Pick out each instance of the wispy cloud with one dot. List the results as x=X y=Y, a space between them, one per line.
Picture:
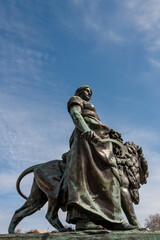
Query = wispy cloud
x=26 y=71
x=144 y=16
x=143 y=136
x=100 y=28
x=23 y=59
x=93 y=23
x=140 y=15
x=23 y=140
x=155 y=62
x=23 y=65
x=8 y=181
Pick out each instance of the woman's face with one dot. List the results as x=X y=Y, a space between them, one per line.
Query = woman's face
x=86 y=94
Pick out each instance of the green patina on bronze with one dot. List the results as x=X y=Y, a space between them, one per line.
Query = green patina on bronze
x=97 y=178
x=87 y=235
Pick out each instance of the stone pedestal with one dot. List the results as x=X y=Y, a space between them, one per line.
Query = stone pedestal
x=86 y=235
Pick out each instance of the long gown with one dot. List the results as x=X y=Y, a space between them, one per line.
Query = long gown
x=93 y=191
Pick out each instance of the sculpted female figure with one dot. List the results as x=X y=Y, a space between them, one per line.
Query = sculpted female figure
x=91 y=176
x=87 y=183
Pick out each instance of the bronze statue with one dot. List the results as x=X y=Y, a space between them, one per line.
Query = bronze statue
x=97 y=177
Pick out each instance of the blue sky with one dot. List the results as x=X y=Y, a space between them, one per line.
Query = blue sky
x=47 y=50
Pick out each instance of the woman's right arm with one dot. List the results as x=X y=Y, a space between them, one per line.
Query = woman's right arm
x=87 y=133
x=75 y=112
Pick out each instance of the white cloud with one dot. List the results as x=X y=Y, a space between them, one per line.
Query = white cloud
x=144 y=14
x=24 y=60
x=93 y=23
x=103 y=25
x=23 y=65
x=155 y=62
x=8 y=183
x=23 y=140
x=100 y=28
x=7 y=180
x=143 y=136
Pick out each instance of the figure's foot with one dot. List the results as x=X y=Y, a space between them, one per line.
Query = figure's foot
x=134 y=222
x=86 y=225
x=70 y=229
x=67 y=230
x=126 y=226
x=143 y=229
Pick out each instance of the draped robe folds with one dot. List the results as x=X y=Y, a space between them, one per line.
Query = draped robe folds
x=92 y=188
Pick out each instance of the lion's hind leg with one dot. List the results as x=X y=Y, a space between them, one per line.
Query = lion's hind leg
x=52 y=215
x=35 y=201
x=48 y=179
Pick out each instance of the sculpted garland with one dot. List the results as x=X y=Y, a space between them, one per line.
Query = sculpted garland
x=96 y=179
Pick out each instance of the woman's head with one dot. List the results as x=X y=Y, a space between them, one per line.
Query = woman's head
x=85 y=92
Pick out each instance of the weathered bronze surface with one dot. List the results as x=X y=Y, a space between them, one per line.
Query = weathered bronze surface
x=97 y=178
x=87 y=235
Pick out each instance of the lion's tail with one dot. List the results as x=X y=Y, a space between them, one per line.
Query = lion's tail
x=22 y=175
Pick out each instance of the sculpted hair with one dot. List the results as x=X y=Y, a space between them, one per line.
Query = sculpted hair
x=80 y=89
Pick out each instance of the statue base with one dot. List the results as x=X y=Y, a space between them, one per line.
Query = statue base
x=88 y=234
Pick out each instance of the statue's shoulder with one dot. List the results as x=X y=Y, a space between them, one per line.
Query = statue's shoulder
x=75 y=100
